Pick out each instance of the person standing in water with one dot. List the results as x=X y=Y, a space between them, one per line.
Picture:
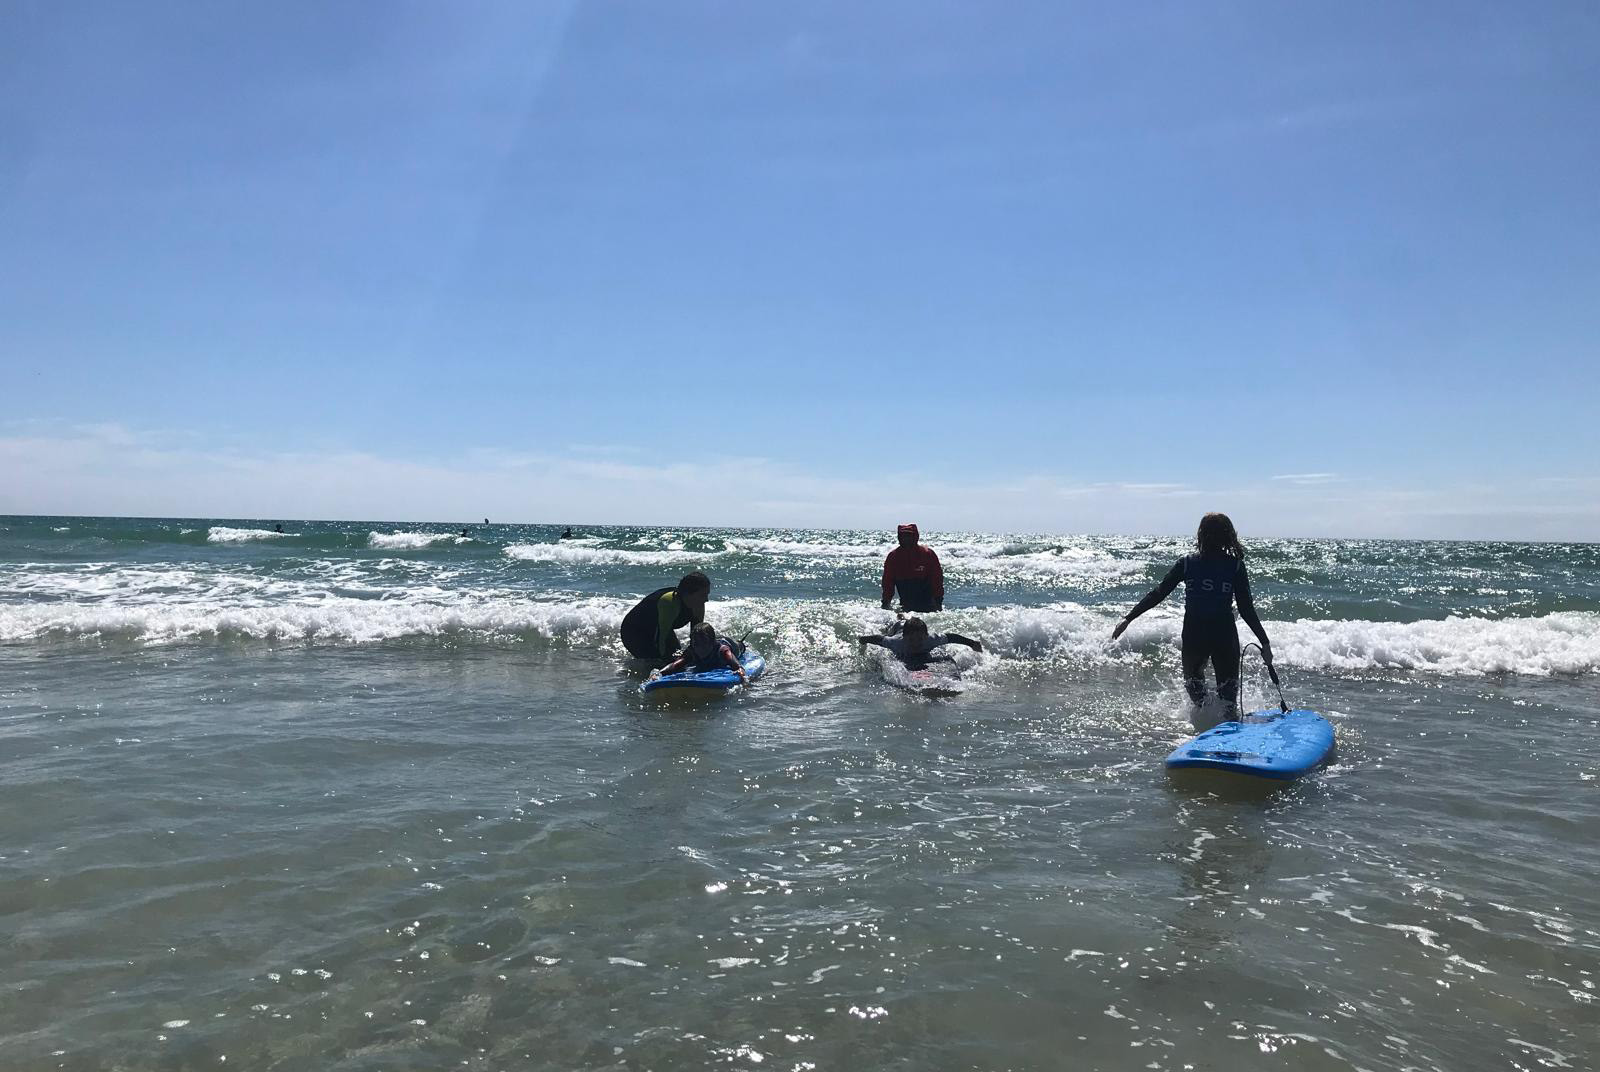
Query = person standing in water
x=1213 y=579
x=913 y=570
x=649 y=629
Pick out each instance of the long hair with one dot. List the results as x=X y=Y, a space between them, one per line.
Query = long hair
x=1216 y=533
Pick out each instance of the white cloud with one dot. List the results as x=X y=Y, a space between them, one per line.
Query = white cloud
x=1309 y=478
x=116 y=470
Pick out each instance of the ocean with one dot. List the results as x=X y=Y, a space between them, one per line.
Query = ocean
x=383 y=796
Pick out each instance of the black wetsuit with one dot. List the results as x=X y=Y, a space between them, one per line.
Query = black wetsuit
x=717 y=660
x=1211 y=584
x=648 y=633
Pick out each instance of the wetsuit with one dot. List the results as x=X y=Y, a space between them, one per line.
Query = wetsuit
x=916 y=573
x=919 y=660
x=1211 y=584
x=717 y=660
x=647 y=631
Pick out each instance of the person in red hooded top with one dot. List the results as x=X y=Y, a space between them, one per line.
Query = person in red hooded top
x=914 y=571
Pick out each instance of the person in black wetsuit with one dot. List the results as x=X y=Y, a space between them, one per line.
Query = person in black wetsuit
x=1213 y=579
x=649 y=631
x=914 y=646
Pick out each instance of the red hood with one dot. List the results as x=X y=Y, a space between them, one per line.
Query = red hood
x=909 y=530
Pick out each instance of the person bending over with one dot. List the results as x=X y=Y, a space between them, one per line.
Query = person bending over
x=914 y=647
x=707 y=652
x=1213 y=579
x=913 y=571
x=649 y=631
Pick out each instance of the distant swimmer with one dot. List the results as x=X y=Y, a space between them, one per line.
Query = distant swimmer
x=566 y=533
x=914 y=646
x=278 y=527
x=913 y=571
x=1213 y=578
x=648 y=630
x=485 y=521
x=463 y=532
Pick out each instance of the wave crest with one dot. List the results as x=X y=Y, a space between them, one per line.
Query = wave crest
x=411 y=541
x=223 y=534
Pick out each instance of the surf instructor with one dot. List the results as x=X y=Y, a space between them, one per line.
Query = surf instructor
x=913 y=570
x=648 y=630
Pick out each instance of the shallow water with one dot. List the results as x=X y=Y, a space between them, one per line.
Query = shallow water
x=336 y=803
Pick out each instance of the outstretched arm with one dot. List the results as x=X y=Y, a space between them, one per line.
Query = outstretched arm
x=1247 y=611
x=1154 y=596
x=734 y=664
x=874 y=639
x=673 y=667
x=957 y=638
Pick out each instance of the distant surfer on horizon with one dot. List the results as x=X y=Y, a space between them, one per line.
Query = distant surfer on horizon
x=649 y=629
x=566 y=534
x=278 y=527
x=914 y=645
x=913 y=571
x=1213 y=578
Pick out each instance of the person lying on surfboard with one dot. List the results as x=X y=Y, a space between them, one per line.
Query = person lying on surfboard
x=707 y=652
x=914 y=646
x=1213 y=579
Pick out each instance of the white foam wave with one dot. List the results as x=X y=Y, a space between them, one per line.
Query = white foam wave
x=223 y=534
x=1561 y=643
x=990 y=560
x=564 y=554
x=348 y=620
x=361 y=602
x=411 y=541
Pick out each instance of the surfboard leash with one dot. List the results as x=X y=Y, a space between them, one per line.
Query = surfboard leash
x=1272 y=673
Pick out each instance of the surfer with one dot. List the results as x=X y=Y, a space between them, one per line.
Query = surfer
x=707 y=652
x=648 y=629
x=278 y=527
x=1213 y=579
x=566 y=534
x=913 y=570
x=913 y=646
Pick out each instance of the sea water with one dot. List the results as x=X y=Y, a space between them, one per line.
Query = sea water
x=384 y=796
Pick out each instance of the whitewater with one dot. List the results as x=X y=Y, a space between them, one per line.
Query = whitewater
x=384 y=793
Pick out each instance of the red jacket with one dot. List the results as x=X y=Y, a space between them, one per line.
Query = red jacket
x=919 y=567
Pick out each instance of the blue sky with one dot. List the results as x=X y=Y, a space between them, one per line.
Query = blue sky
x=1331 y=267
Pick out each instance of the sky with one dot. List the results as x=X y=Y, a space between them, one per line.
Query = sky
x=1045 y=267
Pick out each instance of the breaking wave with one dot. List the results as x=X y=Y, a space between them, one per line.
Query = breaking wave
x=223 y=534
x=566 y=554
x=164 y=604
x=411 y=541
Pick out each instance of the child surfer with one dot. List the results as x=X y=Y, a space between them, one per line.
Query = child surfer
x=707 y=652
x=1213 y=579
x=913 y=646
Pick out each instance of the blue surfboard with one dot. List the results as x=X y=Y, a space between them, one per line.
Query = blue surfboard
x=704 y=686
x=1263 y=744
